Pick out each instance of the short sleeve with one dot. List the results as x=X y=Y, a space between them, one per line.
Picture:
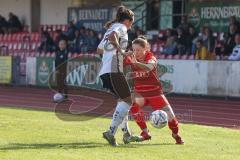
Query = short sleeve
x=120 y=29
x=150 y=59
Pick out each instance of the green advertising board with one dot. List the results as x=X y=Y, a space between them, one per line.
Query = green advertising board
x=45 y=66
x=215 y=14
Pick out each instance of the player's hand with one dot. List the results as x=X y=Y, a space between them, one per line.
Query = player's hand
x=133 y=59
x=128 y=53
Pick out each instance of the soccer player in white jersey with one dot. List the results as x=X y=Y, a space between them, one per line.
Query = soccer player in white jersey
x=114 y=43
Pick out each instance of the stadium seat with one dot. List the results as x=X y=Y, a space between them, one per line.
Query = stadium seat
x=177 y=56
x=191 y=57
x=9 y=37
x=53 y=54
x=169 y=57
x=75 y=55
x=48 y=54
x=184 y=57
x=42 y=54
x=10 y=46
x=5 y=37
x=162 y=56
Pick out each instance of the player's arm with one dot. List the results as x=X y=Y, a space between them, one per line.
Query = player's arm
x=150 y=65
x=99 y=51
x=113 y=39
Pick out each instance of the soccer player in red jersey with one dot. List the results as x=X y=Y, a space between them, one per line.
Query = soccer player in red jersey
x=148 y=90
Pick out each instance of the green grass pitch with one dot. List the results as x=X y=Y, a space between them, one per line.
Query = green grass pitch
x=40 y=135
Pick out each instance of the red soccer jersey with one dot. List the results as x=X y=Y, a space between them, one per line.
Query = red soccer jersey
x=146 y=82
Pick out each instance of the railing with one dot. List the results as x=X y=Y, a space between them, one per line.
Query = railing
x=144 y=14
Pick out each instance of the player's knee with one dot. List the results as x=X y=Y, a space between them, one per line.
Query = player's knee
x=128 y=100
x=134 y=109
x=169 y=111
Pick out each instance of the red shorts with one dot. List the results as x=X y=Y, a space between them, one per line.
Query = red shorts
x=156 y=102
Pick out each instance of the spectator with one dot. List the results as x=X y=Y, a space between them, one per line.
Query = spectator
x=14 y=23
x=171 y=46
x=219 y=49
x=47 y=44
x=192 y=35
x=235 y=56
x=75 y=46
x=233 y=21
x=71 y=31
x=92 y=41
x=184 y=24
x=229 y=41
x=83 y=40
x=209 y=40
x=58 y=36
x=202 y=52
x=3 y=25
x=181 y=41
x=200 y=36
x=61 y=67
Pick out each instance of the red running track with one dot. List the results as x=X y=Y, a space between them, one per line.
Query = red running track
x=213 y=112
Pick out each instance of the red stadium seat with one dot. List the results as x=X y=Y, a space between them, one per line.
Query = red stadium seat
x=191 y=57
x=185 y=56
x=64 y=28
x=48 y=54
x=42 y=54
x=177 y=56
x=9 y=37
x=10 y=45
x=5 y=37
x=53 y=54
x=54 y=27
x=162 y=56
x=169 y=57
x=75 y=55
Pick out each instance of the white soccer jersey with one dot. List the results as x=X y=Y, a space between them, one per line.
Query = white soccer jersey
x=235 y=56
x=111 y=60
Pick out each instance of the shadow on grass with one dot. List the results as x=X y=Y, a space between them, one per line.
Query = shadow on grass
x=137 y=145
x=19 y=146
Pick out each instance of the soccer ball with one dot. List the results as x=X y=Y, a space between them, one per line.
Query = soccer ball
x=159 y=119
x=58 y=97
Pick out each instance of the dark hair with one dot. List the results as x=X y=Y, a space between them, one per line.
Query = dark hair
x=140 y=41
x=122 y=14
x=142 y=37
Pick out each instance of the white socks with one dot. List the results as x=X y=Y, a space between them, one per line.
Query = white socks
x=120 y=113
x=124 y=125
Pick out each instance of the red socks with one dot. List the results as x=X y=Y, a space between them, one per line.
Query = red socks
x=138 y=116
x=173 y=125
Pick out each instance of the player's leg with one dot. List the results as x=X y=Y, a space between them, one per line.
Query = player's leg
x=121 y=90
x=173 y=124
x=127 y=136
x=140 y=117
x=161 y=103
